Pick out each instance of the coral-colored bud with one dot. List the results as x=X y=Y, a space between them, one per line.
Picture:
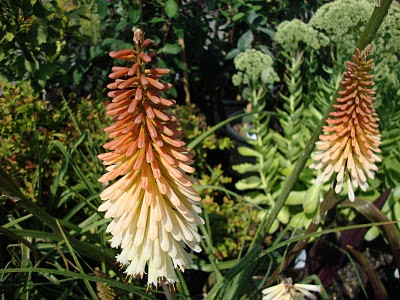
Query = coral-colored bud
x=123 y=54
x=145 y=57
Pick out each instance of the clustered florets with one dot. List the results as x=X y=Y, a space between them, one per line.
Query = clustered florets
x=152 y=202
x=351 y=139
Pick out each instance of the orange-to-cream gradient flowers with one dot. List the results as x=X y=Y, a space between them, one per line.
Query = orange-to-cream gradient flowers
x=351 y=139
x=152 y=202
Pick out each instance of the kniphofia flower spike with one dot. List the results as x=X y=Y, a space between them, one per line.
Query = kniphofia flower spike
x=351 y=139
x=152 y=202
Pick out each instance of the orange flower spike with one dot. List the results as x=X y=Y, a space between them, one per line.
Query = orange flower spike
x=350 y=141
x=152 y=201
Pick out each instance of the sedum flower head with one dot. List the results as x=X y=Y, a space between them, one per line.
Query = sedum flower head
x=343 y=21
x=291 y=33
x=388 y=36
x=286 y=290
x=254 y=66
x=351 y=139
x=152 y=202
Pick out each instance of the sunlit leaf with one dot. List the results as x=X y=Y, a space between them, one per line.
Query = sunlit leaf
x=171 y=8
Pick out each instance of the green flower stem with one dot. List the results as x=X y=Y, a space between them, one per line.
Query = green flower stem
x=374 y=23
x=330 y=201
x=368 y=35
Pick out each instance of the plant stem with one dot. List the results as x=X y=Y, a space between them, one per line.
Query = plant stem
x=330 y=200
x=368 y=35
x=181 y=42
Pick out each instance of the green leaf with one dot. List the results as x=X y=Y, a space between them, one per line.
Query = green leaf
x=102 y=8
x=232 y=54
x=9 y=36
x=245 y=167
x=238 y=17
x=284 y=215
x=245 y=41
x=77 y=263
x=246 y=151
x=42 y=33
x=171 y=8
x=134 y=15
x=28 y=66
x=121 y=25
x=243 y=269
x=156 y=20
x=118 y=284
x=14 y=222
x=252 y=182
x=256 y=198
x=171 y=48
x=274 y=226
x=371 y=234
x=311 y=199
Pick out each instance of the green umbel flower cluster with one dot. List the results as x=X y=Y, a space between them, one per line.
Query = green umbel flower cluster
x=388 y=36
x=254 y=67
x=291 y=33
x=341 y=23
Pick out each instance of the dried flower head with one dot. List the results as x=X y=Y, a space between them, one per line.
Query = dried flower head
x=286 y=290
x=152 y=202
x=104 y=291
x=351 y=138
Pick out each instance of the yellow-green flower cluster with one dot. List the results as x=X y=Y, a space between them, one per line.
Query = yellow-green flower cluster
x=254 y=67
x=343 y=21
x=292 y=33
x=388 y=35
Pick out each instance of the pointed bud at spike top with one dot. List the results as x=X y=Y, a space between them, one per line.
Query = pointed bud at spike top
x=348 y=142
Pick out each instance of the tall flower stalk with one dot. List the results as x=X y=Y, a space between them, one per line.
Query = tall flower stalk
x=350 y=141
x=152 y=202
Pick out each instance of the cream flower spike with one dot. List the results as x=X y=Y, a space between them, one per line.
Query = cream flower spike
x=351 y=139
x=154 y=207
x=286 y=290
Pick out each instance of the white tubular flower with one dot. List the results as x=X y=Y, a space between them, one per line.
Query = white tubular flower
x=286 y=290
